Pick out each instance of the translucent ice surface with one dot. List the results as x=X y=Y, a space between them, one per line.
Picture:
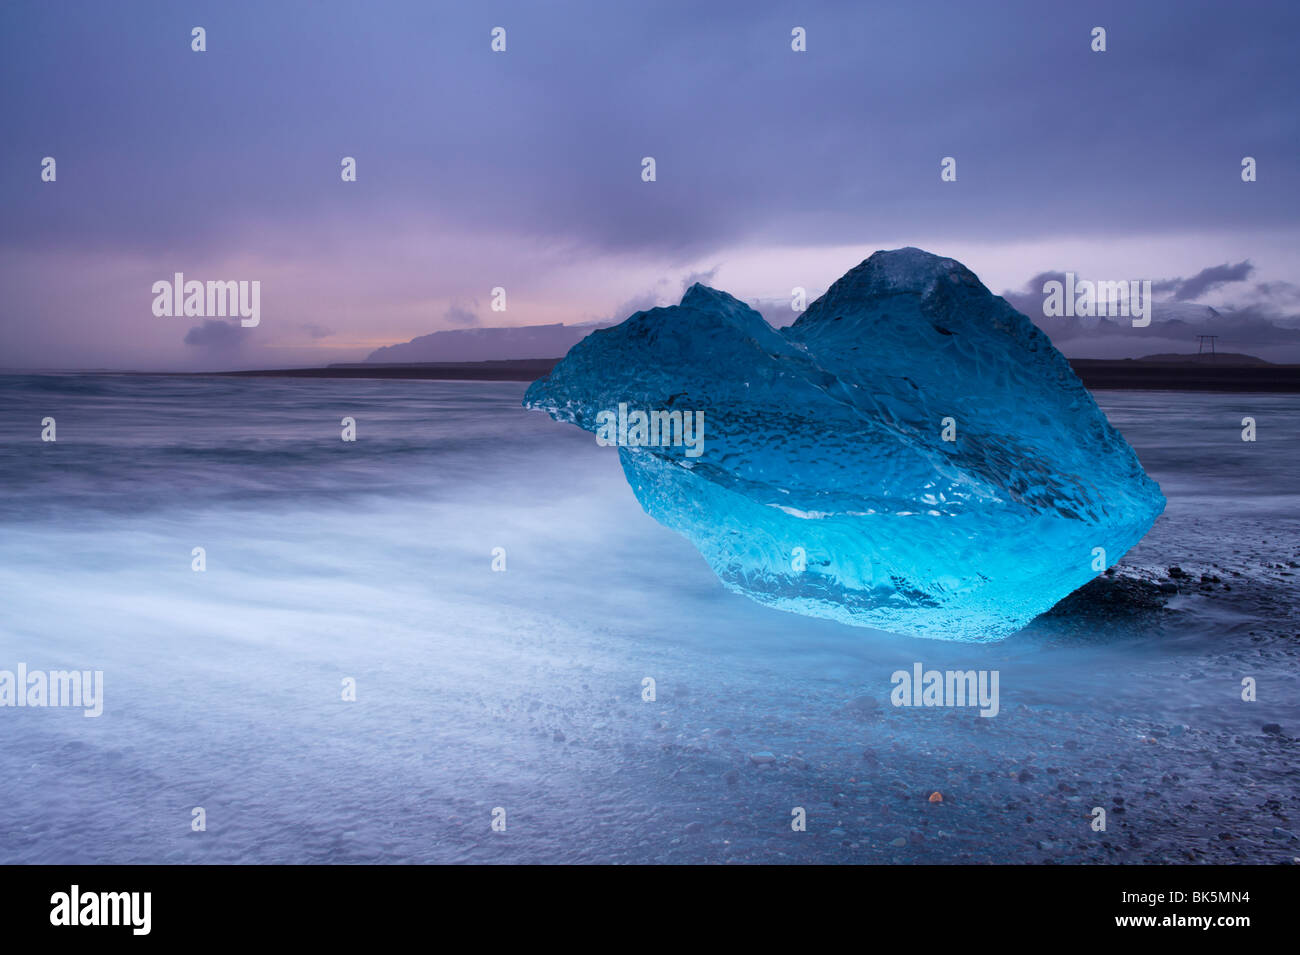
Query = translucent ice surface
x=911 y=455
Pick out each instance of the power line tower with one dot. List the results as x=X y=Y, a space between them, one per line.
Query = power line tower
x=1201 y=341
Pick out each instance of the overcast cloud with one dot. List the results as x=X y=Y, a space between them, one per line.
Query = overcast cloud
x=522 y=169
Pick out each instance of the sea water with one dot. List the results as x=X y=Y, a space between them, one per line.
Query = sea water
x=349 y=679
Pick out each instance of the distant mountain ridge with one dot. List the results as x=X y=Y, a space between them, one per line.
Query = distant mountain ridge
x=498 y=343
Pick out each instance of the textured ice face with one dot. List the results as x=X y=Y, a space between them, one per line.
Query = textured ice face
x=825 y=485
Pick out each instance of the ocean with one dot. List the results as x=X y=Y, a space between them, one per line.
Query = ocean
x=519 y=695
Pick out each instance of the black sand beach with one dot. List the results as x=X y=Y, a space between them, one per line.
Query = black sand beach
x=1097 y=374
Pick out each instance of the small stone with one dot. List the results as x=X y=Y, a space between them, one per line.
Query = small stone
x=898 y=843
x=762 y=758
x=1178 y=729
x=936 y=796
x=1285 y=834
x=798 y=763
x=1272 y=729
x=1025 y=776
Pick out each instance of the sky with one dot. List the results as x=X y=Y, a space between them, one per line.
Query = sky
x=522 y=169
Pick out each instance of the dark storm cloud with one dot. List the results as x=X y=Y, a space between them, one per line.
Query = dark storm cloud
x=461 y=316
x=160 y=148
x=219 y=336
x=1265 y=326
x=1029 y=298
x=1035 y=285
x=1277 y=298
x=1287 y=292
x=1188 y=290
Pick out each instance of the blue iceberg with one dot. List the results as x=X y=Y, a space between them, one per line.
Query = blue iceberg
x=911 y=455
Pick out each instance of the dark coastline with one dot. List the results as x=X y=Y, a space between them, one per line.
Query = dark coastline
x=1139 y=375
x=1096 y=374
x=526 y=369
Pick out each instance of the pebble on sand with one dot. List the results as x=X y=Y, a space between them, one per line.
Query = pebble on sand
x=936 y=796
